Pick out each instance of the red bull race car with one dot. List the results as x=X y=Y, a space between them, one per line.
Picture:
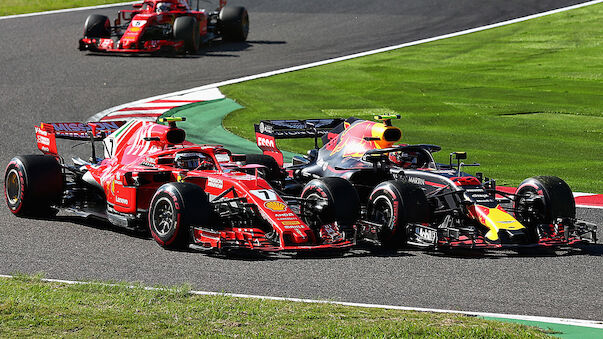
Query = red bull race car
x=164 y=26
x=409 y=199
x=151 y=178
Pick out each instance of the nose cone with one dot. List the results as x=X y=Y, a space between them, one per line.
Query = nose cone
x=500 y=223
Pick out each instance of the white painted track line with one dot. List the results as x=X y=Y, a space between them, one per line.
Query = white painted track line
x=562 y=321
x=58 y=11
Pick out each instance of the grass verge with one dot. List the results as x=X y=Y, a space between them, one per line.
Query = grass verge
x=12 y=7
x=31 y=307
x=522 y=100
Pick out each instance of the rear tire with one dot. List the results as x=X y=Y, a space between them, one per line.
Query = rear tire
x=97 y=26
x=32 y=185
x=394 y=204
x=186 y=28
x=343 y=204
x=175 y=207
x=556 y=200
x=234 y=23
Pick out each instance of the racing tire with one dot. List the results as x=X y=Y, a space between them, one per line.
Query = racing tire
x=186 y=28
x=343 y=203
x=272 y=172
x=556 y=200
x=234 y=23
x=32 y=185
x=175 y=207
x=97 y=26
x=394 y=204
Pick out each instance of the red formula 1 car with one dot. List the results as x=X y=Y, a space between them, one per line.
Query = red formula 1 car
x=164 y=26
x=408 y=198
x=185 y=194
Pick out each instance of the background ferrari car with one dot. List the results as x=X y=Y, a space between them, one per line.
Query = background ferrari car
x=164 y=26
x=151 y=178
x=408 y=198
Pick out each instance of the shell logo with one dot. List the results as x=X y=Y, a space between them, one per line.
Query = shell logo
x=275 y=206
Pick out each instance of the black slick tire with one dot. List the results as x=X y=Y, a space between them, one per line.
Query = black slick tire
x=343 y=204
x=234 y=23
x=32 y=185
x=394 y=204
x=176 y=207
x=554 y=199
x=186 y=28
x=97 y=26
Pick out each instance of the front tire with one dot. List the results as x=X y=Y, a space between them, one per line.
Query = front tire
x=32 y=185
x=394 y=204
x=97 y=26
x=342 y=202
x=234 y=23
x=176 y=207
x=541 y=200
x=186 y=28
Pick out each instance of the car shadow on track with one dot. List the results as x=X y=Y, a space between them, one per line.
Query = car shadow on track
x=102 y=225
x=222 y=49
x=581 y=250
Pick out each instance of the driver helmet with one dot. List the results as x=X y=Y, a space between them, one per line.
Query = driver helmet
x=403 y=159
x=190 y=160
x=163 y=7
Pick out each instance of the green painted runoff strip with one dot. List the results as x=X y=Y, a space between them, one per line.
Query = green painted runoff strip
x=558 y=330
x=203 y=125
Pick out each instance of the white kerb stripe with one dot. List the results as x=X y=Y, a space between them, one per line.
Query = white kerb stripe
x=552 y=320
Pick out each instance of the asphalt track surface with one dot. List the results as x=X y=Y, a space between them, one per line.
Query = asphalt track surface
x=44 y=78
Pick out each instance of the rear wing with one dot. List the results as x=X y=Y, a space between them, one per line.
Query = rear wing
x=268 y=131
x=47 y=133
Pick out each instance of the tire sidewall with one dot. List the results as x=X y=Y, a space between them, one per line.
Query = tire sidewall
x=553 y=204
x=318 y=188
x=186 y=28
x=16 y=166
x=393 y=233
x=172 y=237
x=343 y=202
x=96 y=26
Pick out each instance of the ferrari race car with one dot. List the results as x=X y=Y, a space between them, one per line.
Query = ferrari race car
x=151 y=178
x=409 y=199
x=164 y=26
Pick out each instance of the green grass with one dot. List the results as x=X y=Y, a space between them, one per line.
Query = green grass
x=30 y=307
x=522 y=100
x=10 y=7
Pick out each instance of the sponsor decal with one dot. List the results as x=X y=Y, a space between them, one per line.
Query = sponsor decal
x=275 y=206
x=135 y=29
x=284 y=215
x=122 y=200
x=138 y=23
x=81 y=127
x=267 y=142
x=215 y=183
x=291 y=223
x=106 y=43
x=264 y=194
x=426 y=234
x=43 y=140
x=415 y=180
